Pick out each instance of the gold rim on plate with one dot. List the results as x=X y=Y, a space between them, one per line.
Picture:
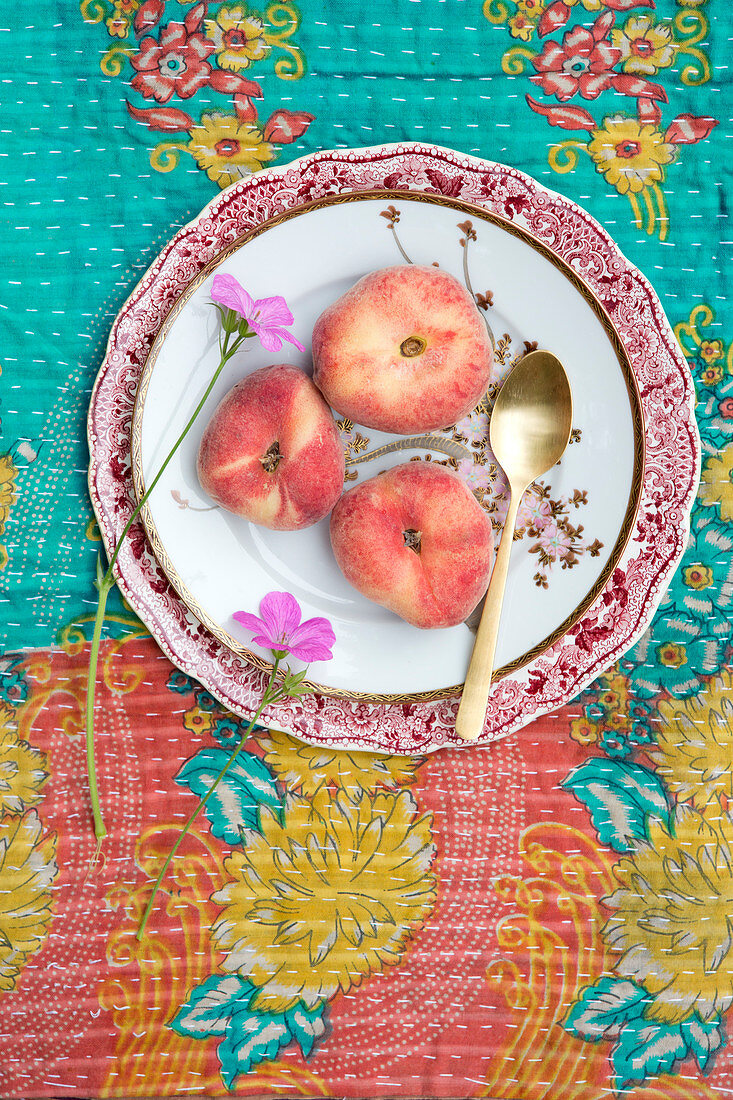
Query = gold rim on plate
x=577 y=282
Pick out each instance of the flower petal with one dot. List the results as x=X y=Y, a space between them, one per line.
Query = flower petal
x=268 y=337
x=190 y=83
x=313 y=635
x=592 y=84
x=281 y=615
x=602 y=25
x=562 y=85
x=578 y=41
x=555 y=17
x=173 y=34
x=273 y=311
x=637 y=25
x=311 y=651
x=199 y=45
x=251 y=622
x=271 y=643
x=283 y=334
x=152 y=84
x=147 y=56
x=230 y=293
x=604 y=57
x=291 y=339
x=550 y=59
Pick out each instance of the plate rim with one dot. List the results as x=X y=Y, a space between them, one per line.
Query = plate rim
x=356 y=726
x=157 y=545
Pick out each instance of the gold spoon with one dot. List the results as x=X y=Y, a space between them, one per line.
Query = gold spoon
x=529 y=431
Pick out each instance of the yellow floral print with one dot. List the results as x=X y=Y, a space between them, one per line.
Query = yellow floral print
x=329 y=893
x=716 y=486
x=198 y=720
x=712 y=375
x=583 y=731
x=8 y=723
x=645 y=46
x=631 y=155
x=694 y=752
x=239 y=38
x=619 y=722
x=27 y=869
x=118 y=26
x=672 y=654
x=711 y=350
x=8 y=474
x=228 y=149
x=672 y=919
x=22 y=774
x=8 y=494
x=698 y=576
x=613 y=697
x=532 y=8
x=307 y=768
x=521 y=27
x=615 y=690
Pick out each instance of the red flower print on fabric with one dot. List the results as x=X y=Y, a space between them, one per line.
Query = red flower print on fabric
x=582 y=64
x=175 y=65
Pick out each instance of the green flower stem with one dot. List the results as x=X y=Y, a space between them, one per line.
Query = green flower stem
x=100 y=831
x=266 y=698
x=106 y=583
x=226 y=355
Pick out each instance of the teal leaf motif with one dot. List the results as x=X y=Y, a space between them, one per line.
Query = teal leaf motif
x=210 y=1006
x=235 y=803
x=620 y=797
x=703 y=1038
x=614 y=1009
x=646 y=1048
x=307 y=1025
x=251 y=1038
x=602 y=1009
x=221 y=1007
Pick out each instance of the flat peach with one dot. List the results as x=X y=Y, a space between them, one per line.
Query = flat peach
x=405 y=350
x=417 y=541
x=271 y=452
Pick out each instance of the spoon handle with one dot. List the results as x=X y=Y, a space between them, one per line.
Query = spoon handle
x=472 y=709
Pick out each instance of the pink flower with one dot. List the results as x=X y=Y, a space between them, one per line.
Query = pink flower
x=475 y=427
x=534 y=511
x=476 y=475
x=265 y=316
x=281 y=630
x=177 y=64
x=582 y=64
x=554 y=539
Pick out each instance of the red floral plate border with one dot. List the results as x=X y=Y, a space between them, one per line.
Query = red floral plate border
x=671 y=465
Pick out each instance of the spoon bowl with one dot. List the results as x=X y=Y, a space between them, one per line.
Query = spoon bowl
x=532 y=418
x=529 y=431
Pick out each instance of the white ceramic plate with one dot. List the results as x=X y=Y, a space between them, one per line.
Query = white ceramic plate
x=220 y=563
x=569 y=570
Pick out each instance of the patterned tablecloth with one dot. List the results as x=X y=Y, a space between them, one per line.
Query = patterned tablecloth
x=548 y=917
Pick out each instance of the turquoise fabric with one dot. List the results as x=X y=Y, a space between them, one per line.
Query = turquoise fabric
x=84 y=212
x=112 y=138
